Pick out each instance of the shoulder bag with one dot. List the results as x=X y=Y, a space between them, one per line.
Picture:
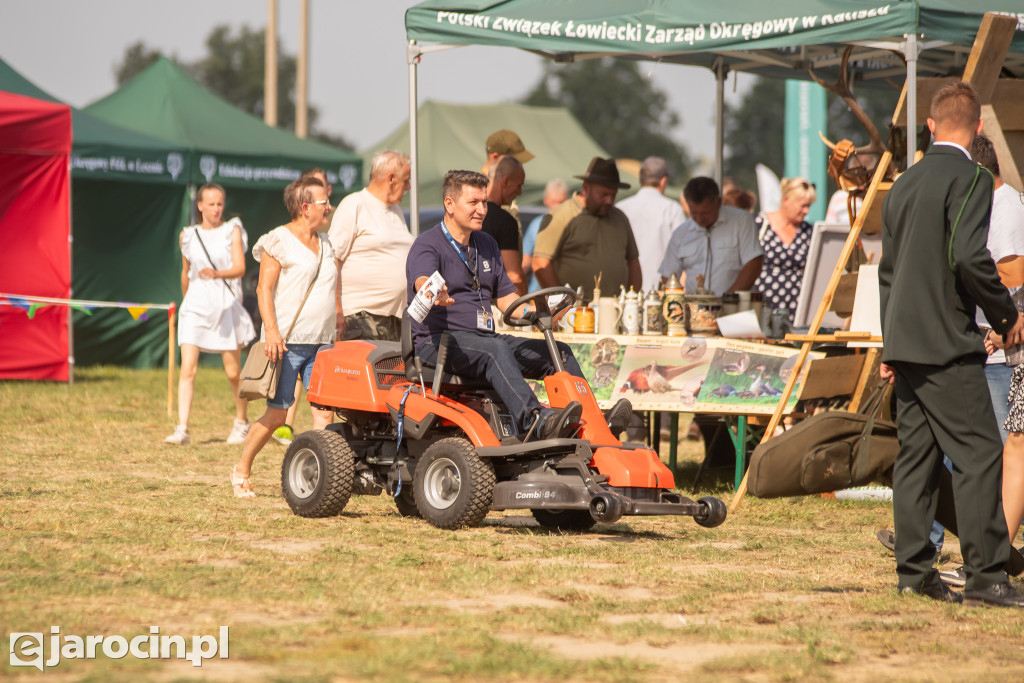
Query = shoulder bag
x=827 y=452
x=260 y=374
x=212 y=264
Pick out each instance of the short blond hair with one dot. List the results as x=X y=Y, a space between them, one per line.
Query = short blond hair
x=792 y=185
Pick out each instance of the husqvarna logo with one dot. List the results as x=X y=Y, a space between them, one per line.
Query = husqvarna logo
x=581 y=387
x=345 y=371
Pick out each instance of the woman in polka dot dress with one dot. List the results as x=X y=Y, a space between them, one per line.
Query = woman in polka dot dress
x=785 y=237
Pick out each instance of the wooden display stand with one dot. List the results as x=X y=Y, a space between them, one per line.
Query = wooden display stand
x=1003 y=115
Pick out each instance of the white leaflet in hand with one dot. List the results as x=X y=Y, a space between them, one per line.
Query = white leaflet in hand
x=420 y=305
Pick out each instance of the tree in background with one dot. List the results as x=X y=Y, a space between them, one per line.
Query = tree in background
x=137 y=58
x=755 y=128
x=233 y=69
x=624 y=113
x=754 y=132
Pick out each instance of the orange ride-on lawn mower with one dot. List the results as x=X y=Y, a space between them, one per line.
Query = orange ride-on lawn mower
x=447 y=450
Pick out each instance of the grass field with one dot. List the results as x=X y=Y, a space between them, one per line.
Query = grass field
x=106 y=530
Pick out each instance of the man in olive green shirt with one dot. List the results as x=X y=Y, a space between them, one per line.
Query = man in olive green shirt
x=587 y=235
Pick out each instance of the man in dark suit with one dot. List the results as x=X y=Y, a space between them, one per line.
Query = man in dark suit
x=935 y=269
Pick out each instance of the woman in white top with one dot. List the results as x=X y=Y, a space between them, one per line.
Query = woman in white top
x=290 y=257
x=212 y=318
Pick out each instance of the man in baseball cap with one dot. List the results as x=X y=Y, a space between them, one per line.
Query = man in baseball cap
x=503 y=142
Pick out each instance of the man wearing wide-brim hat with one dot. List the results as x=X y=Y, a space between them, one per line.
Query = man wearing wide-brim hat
x=587 y=235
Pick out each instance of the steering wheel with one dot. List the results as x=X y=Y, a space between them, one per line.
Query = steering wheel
x=540 y=313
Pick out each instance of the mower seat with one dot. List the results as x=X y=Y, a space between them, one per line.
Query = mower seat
x=409 y=359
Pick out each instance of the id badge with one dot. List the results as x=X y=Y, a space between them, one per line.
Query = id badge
x=484 y=321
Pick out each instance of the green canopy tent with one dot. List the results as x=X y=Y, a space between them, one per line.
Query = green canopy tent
x=127 y=193
x=453 y=136
x=785 y=38
x=252 y=160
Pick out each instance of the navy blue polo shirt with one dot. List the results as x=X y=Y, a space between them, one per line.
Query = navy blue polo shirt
x=432 y=251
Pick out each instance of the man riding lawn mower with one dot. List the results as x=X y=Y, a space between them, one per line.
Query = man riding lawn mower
x=477 y=439
x=448 y=450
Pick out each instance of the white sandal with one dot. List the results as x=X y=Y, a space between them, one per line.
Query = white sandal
x=242 y=485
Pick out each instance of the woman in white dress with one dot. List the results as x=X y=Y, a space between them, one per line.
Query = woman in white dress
x=293 y=257
x=212 y=318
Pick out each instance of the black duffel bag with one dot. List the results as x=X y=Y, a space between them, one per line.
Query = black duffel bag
x=827 y=452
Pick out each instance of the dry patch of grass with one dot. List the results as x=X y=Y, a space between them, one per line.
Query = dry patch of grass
x=106 y=530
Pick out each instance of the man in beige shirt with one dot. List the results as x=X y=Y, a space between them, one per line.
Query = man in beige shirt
x=371 y=241
x=587 y=235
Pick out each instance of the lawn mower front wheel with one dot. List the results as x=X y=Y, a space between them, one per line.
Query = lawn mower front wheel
x=453 y=486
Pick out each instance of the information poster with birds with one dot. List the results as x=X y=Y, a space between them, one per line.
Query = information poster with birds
x=684 y=374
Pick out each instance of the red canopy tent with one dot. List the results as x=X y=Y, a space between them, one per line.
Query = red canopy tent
x=35 y=229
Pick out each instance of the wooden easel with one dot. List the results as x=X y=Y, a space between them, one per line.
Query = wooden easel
x=1002 y=104
x=812 y=335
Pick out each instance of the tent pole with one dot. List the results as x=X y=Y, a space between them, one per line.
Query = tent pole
x=719 y=118
x=270 y=66
x=302 y=74
x=911 y=55
x=413 y=57
x=71 y=262
x=171 y=359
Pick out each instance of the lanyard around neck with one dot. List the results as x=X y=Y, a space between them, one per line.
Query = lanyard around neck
x=462 y=256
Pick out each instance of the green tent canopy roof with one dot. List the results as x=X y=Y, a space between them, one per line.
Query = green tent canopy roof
x=452 y=136
x=781 y=38
x=103 y=150
x=228 y=145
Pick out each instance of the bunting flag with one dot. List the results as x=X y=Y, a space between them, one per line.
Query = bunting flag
x=31 y=304
x=18 y=302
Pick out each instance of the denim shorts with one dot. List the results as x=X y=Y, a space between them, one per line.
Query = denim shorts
x=297 y=362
